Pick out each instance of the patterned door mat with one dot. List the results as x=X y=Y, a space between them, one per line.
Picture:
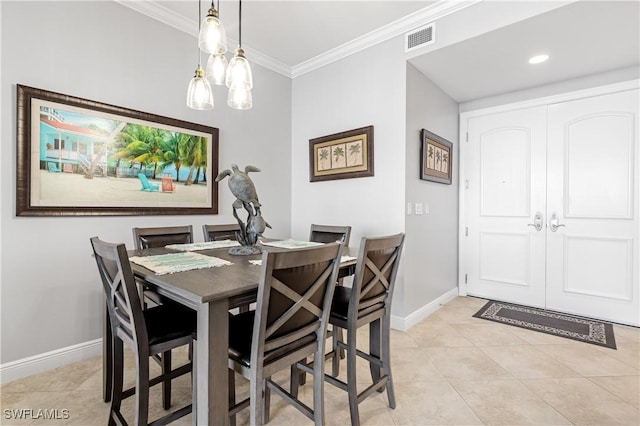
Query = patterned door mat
x=555 y=323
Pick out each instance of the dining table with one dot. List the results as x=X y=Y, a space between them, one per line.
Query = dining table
x=212 y=292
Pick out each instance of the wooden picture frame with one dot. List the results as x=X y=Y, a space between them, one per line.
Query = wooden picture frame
x=342 y=155
x=435 y=158
x=77 y=157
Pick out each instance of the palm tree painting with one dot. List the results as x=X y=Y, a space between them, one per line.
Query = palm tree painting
x=430 y=157
x=338 y=157
x=103 y=159
x=354 y=153
x=324 y=160
x=436 y=157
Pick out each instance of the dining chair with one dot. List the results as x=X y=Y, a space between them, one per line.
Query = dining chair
x=156 y=330
x=289 y=324
x=220 y=232
x=145 y=238
x=325 y=234
x=367 y=302
x=328 y=234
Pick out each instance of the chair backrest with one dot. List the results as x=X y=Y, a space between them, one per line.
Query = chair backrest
x=329 y=234
x=220 y=232
x=375 y=277
x=123 y=301
x=144 y=238
x=294 y=301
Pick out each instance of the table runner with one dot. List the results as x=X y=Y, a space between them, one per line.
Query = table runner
x=178 y=262
x=290 y=244
x=203 y=246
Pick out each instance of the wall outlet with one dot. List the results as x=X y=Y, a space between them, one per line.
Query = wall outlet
x=419 y=208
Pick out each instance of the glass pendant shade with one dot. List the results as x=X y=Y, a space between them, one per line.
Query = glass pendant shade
x=199 y=94
x=240 y=97
x=212 y=37
x=217 y=69
x=239 y=71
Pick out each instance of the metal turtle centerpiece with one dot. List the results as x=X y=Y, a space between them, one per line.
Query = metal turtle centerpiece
x=244 y=190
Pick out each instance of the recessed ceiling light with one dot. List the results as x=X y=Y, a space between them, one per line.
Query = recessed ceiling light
x=538 y=59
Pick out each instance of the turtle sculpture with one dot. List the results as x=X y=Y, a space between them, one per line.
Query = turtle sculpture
x=244 y=190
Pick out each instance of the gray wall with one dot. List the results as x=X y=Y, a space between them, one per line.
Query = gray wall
x=431 y=247
x=103 y=51
x=367 y=88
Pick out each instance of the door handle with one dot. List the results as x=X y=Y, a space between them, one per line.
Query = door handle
x=553 y=223
x=537 y=221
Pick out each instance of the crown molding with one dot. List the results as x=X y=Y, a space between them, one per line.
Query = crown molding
x=165 y=15
x=417 y=19
x=424 y=16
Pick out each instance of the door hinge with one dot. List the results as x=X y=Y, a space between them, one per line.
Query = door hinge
x=466 y=184
x=465 y=278
x=466 y=231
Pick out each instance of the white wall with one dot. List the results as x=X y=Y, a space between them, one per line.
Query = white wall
x=431 y=246
x=51 y=294
x=367 y=88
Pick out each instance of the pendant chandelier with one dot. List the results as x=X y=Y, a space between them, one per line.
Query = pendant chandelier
x=235 y=74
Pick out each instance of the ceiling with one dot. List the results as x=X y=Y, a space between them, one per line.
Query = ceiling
x=294 y=31
x=582 y=38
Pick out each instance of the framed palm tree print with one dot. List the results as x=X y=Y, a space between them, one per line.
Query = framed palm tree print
x=435 y=158
x=342 y=155
x=81 y=157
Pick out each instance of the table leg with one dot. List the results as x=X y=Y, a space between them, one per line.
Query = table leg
x=212 y=364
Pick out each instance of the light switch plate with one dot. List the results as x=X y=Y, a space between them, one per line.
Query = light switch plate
x=419 y=208
x=409 y=209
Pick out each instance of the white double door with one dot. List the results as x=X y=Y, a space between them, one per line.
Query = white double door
x=550 y=207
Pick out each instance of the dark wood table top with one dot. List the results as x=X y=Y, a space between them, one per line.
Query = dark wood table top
x=231 y=282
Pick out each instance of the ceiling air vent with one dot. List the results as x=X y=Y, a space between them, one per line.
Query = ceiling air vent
x=420 y=37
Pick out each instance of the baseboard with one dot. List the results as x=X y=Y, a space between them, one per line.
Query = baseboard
x=18 y=369
x=404 y=324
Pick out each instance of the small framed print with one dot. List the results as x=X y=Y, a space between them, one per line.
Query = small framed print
x=342 y=155
x=435 y=158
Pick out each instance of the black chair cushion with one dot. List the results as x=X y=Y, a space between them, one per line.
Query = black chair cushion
x=340 y=304
x=168 y=322
x=241 y=336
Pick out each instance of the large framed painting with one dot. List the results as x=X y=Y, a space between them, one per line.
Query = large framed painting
x=81 y=157
x=342 y=155
x=435 y=158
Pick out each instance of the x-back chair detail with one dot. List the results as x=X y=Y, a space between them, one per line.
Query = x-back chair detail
x=156 y=330
x=367 y=302
x=288 y=325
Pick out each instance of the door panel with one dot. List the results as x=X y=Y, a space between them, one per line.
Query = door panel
x=598 y=165
x=592 y=258
x=505 y=186
x=505 y=173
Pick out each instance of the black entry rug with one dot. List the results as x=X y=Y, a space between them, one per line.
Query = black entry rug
x=555 y=323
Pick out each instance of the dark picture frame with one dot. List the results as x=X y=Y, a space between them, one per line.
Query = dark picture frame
x=78 y=157
x=435 y=158
x=341 y=155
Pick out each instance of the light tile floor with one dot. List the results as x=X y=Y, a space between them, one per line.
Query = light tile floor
x=451 y=369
